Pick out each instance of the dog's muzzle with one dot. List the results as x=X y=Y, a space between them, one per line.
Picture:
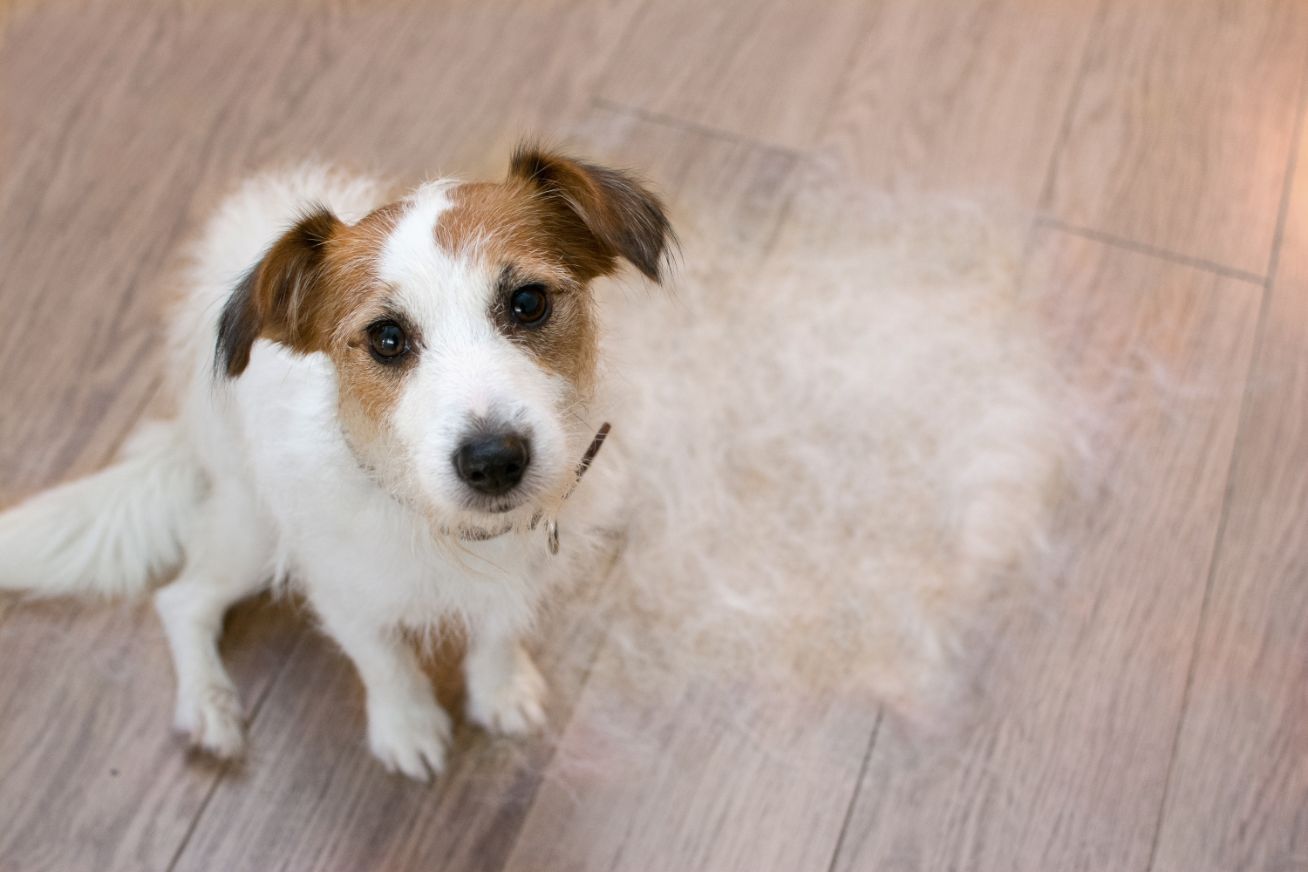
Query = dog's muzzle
x=508 y=454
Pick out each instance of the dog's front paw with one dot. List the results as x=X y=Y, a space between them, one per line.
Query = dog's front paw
x=410 y=739
x=512 y=706
x=212 y=720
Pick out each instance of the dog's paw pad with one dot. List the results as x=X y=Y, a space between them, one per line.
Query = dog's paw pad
x=212 y=720
x=411 y=740
x=513 y=708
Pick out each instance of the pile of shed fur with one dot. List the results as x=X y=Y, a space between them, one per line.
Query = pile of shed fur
x=843 y=452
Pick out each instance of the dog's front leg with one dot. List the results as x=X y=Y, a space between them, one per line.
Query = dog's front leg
x=506 y=692
x=408 y=731
x=228 y=554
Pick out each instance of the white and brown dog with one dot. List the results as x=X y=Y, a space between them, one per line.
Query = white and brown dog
x=399 y=396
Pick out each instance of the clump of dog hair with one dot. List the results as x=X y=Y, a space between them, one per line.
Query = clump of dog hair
x=843 y=452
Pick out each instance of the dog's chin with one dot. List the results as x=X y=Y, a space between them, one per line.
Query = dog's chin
x=461 y=508
x=496 y=508
x=478 y=511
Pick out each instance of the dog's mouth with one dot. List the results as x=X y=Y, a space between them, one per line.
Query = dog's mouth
x=500 y=507
x=479 y=505
x=494 y=509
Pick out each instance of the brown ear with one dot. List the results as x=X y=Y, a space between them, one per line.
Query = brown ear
x=280 y=297
x=619 y=217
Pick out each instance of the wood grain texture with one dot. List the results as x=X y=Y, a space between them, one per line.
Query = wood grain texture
x=415 y=89
x=1068 y=771
x=971 y=98
x=1182 y=129
x=344 y=811
x=737 y=778
x=121 y=122
x=90 y=775
x=766 y=70
x=1238 y=797
x=104 y=136
x=79 y=243
x=338 y=809
x=121 y=130
x=701 y=776
x=187 y=101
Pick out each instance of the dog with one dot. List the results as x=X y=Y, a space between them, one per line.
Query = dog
x=385 y=401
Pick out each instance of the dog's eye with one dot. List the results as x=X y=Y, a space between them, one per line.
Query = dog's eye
x=388 y=341
x=530 y=305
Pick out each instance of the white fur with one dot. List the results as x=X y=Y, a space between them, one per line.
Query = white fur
x=255 y=481
x=468 y=371
x=846 y=444
x=844 y=453
x=111 y=533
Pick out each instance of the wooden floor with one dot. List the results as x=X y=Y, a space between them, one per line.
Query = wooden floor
x=1159 y=718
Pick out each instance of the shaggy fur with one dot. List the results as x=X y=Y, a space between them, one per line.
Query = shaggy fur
x=300 y=453
x=848 y=451
x=829 y=464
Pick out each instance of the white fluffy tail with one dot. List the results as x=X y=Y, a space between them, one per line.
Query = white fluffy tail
x=111 y=533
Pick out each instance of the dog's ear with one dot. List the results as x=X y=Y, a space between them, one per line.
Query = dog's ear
x=280 y=298
x=609 y=213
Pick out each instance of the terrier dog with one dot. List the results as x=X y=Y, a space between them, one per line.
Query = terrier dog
x=383 y=401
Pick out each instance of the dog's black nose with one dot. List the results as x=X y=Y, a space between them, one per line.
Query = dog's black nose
x=493 y=463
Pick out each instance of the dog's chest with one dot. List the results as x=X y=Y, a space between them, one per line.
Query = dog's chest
x=345 y=539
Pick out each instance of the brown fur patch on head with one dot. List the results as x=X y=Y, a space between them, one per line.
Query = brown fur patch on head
x=620 y=216
x=304 y=287
x=582 y=216
x=559 y=223
x=369 y=390
x=553 y=222
x=282 y=297
x=316 y=290
x=567 y=341
x=525 y=243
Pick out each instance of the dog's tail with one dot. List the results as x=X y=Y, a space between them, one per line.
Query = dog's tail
x=111 y=533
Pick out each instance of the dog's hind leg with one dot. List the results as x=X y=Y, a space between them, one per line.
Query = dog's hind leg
x=228 y=558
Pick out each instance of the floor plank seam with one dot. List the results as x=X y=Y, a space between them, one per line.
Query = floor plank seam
x=1073 y=99
x=1209 y=576
x=1138 y=239
x=692 y=127
x=823 y=127
x=195 y=820
x=597 y=651
x=1029 y=242
x=1132 y=245
x=1260 y=330
x=854 y=795
x=1287 y=184
x=255 y=709
x=550 y=756
x=783 y=212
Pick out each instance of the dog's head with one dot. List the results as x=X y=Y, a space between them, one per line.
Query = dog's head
x=460 y=322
